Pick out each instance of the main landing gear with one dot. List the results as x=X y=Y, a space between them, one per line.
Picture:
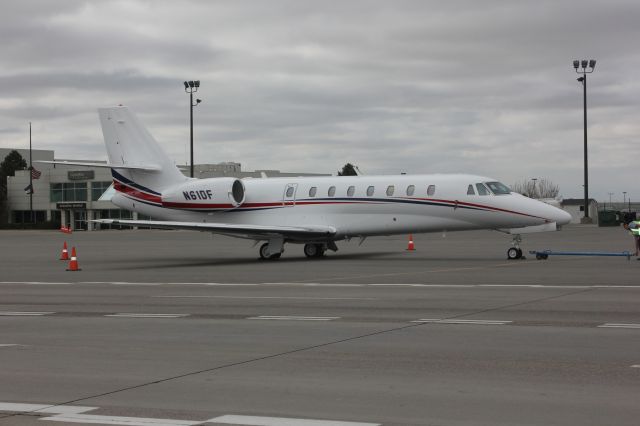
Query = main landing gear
x=515 y=252
x=273 y=249
x=314 y=250
x=265 y=254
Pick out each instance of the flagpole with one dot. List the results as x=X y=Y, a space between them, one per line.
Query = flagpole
x=30 y=177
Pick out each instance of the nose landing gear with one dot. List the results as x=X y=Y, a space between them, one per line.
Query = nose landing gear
x=515 y=252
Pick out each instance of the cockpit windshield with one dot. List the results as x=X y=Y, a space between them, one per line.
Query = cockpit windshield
x=498 y=188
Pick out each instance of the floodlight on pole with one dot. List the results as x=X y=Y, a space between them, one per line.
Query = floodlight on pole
x=191 y=87
x=591 y=63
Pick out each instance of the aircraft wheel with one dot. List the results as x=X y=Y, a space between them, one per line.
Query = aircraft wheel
x=311 y=250
x=321 y=250
x=514 y=253
x=264 y=252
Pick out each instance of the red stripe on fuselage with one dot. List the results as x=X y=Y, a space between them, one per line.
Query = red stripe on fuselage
x=135 y=193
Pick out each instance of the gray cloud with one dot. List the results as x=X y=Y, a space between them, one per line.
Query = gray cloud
x=412 y=86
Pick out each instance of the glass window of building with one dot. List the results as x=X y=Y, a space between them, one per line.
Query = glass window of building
x=332 y=191
x=55 y=192
x=68 y=191
x=470 y=190
x=98 y=188
x=312 y=191
x=482 y=190
x=390 y=190
x=431 y=190
x=350 y=191
x=370 y=191
x=410 y=190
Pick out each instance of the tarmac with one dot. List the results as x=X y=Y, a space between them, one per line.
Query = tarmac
x=181 y=328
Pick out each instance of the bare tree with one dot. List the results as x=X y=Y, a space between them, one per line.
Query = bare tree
x=348 y=170
x=540 y=188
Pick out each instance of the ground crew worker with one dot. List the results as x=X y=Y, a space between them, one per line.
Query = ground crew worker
x=634 y=228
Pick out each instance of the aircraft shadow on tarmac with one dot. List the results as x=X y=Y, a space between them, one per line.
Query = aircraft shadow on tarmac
x=391 y=257
x=159 y=263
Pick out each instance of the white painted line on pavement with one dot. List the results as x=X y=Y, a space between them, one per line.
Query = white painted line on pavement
x=292 y=318
x=281 y=421
x=24 y=314
x=74 y=414
x=635 y=366
x=43 y=408
x=117 y=420
x=328 y=285
x=268 y=297
x=35 y=282
x=8 y=345
x=618 y=325
x=133 y=315
x=462 y=321
x=316 y=284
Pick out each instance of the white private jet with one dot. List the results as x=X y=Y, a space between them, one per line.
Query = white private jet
x=314 y=211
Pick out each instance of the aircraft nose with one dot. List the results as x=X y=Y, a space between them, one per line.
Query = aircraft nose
x=561 y=217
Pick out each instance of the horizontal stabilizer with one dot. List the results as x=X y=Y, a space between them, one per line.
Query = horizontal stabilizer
x=247 y=231
x=146 y=167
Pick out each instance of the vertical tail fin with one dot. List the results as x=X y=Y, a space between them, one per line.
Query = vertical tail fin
x=129 y=143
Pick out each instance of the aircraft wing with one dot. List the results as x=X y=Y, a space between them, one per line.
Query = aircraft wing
x=245 y=231
x=146 y=167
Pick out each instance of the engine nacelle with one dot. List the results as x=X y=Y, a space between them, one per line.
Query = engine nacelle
x=205 y=194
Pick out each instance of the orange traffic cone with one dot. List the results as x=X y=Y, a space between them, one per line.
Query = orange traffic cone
x=65 y=253
x=411 y=246
x=73 y=264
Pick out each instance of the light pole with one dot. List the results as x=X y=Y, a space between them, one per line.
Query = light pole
x=191 y=87
x=534 y=188
x=624 y=199
x=584 y=64
x=610 y=194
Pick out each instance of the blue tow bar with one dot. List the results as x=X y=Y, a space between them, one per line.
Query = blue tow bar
x=544 y=254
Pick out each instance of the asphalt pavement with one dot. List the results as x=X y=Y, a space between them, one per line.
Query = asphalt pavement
x=182 y=328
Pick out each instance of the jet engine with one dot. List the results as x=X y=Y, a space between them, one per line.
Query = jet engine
x=206 y=194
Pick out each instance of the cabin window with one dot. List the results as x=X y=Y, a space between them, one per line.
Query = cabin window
x=312 y=191
x=290 y=191
x=431 y=190
x=498 y=188
x=482 y=190
x=410 y=190
x=390 y=190
x=370 y=191
x=350 y=191
x=470 y=190
x=332 y=191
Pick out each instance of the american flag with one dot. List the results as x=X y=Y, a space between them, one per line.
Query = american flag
x=35 y=174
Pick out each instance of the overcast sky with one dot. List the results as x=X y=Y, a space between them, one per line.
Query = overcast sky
x=483 y=87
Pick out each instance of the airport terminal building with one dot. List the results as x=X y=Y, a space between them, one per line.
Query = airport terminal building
x=70 y=195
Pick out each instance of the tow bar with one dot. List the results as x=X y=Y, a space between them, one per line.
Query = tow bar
x=544 y=254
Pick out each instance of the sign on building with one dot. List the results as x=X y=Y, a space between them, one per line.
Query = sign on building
x=71 y=206
x=81 y=174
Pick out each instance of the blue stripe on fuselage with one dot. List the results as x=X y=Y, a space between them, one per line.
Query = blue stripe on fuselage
x=131 y=183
